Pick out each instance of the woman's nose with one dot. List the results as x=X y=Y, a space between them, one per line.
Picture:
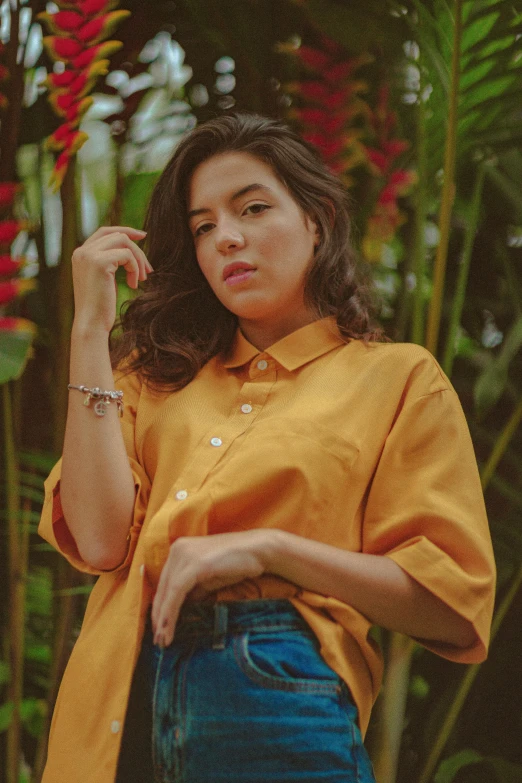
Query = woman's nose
x=228 y=236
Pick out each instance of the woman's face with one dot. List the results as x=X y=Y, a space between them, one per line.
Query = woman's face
x=253 y=243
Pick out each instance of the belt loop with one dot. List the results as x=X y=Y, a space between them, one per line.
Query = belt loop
x=220 y=625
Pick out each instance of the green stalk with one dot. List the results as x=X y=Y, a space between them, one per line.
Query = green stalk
x=448 y=189
x=420 y=223
x=462 y=279
x=391 y=708
x=70 y=242
x=16 y=614
x=472 y=671
x=64 y=577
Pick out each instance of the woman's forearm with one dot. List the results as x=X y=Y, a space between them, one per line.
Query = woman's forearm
x=373 y=584
x=96 y=488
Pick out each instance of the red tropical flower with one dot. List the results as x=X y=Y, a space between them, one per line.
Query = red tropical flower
x=394 y=182
x=9 y=266
x=9 y=229
x=10 y=289
x=78 y=29
x=9 y=323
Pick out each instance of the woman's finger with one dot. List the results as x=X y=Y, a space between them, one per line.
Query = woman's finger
x=134 y=233
x=116 y=240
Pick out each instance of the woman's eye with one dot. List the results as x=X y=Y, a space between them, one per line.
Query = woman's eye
x=202 y=229
x=257 y=208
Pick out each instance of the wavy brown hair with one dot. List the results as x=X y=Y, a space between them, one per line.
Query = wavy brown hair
x=177 y=323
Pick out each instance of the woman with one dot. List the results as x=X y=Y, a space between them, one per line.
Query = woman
x=283 y=478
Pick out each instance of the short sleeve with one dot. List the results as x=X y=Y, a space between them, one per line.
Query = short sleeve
x=425 y=510
x=53 y=526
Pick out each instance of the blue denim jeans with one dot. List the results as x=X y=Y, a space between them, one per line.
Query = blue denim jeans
x=242 y=695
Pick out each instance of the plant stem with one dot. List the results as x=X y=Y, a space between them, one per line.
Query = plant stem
x=16 y=612
x=65 y=304
x=462 y=279
x=448 y=189
x=385 y=757
x=420 y=224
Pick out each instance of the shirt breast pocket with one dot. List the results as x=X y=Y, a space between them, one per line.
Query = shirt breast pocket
x=287 y=473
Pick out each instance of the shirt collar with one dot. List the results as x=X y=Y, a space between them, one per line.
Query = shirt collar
x=293 y=351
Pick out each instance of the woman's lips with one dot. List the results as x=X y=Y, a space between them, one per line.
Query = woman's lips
x=239 y=277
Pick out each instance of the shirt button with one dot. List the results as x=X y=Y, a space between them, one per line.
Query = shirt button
x=115 y=726
x=246 y=408
x=262 y=364
x=182 y=494
x=216 y=441
x=142 y=569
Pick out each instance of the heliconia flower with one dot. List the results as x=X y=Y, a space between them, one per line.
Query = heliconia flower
x=76 y=111
x=100 y=27
x=9 y=323
x=61 y=48
x=78 y=84
x=9 y=229
x=91 y=7
x=101 y=50
x=10 y=266
x=313 y=58
x=8 y=191
x=10 y=289
x=60 y=167
x=78 y=29
x=63 y=21
x=66 y=138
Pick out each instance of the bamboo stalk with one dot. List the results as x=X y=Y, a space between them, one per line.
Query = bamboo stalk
x=448 y=189
x=472 y=671
x=462 y=278
x=16 y=614
x=420 y=223
x=392 y=708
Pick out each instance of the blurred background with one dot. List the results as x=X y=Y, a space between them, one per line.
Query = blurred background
x=417 y=105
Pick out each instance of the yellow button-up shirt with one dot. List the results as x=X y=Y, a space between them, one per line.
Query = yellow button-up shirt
x=363 y=447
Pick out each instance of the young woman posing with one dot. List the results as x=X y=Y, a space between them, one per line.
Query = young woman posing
x=283 y=478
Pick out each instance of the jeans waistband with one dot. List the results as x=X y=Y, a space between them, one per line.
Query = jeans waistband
x=219 y=618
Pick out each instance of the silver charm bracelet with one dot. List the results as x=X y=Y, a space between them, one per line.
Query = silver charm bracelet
x=103 y=398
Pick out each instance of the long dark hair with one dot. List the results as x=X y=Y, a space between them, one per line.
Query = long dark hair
x=177 y=323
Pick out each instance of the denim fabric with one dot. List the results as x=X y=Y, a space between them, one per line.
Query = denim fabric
x=242 y=695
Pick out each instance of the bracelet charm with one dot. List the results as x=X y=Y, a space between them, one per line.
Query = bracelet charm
x=103 y=398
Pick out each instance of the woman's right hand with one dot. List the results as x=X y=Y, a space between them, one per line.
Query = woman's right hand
x=94 y=266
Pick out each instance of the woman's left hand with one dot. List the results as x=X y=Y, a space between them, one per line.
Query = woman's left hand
x=201 y=564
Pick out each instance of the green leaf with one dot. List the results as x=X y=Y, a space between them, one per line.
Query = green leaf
x=15 y=350
x=4 y=672
x=492 y=381
x=478 y=30
x=33 y=713
x=6 y=714
x=40 y=461
x=505 y=771
x=448 y=769
x=38 y=653
x=136 y=194
x=419 y=687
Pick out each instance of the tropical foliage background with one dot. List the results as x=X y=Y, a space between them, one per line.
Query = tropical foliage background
x=417 y=105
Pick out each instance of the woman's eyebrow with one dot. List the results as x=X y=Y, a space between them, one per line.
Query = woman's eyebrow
x=242 y=192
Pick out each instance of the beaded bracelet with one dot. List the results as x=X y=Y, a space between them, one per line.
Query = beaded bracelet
x=103 y=398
